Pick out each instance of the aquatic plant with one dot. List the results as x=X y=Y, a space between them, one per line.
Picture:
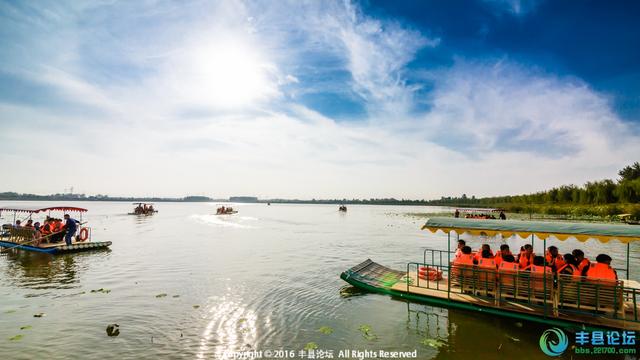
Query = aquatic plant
x=161 y=295
x=16 y=338
x=367 y=333
x=326 y=330
x=311 y=346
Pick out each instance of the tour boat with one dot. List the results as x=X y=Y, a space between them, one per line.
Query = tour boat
x=143 y=209
x=24 y=238
x=561 y=300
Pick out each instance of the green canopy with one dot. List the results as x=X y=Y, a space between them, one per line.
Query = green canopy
x=542 y=229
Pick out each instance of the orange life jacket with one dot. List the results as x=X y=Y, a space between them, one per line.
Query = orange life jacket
x=525 y=260
x=464 y=259
x=45 y=229
x=487 y=263
x=583 y=264
x=557 y=261
x=478 y=254
x=601 y=271
x=573 y=270
x=508 y=270
x=539 y=269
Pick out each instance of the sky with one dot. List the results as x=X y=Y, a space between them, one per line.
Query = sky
x=316 y=99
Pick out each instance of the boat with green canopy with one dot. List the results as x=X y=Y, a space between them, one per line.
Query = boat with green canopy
x=550 y=298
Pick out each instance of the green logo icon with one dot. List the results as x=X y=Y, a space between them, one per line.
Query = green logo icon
x=553 y=342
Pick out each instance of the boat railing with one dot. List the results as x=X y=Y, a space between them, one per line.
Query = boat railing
x=438 y=254
x=545 y=293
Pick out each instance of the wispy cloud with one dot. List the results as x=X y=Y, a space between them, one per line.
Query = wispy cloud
x=207 y=98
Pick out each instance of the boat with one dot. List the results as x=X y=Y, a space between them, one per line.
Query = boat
x=26 y=238
x=143 y=209
x=342 y=208
x=225 y=211
x=480 y=213
x=628 y=219
x=552 y=299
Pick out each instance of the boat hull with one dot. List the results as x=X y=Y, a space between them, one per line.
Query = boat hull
x=62 y=249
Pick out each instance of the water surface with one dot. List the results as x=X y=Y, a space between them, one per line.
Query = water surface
x=266 y=278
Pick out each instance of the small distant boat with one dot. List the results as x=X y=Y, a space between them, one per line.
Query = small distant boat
x=26 y=237
x=342 y=208
x=628 y=219
x=225 y=211
x=143 y=209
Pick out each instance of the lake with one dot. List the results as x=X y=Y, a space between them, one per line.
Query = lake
x=185 y=283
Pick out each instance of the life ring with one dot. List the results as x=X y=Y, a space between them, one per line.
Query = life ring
x=429 y=273
x=84 y=234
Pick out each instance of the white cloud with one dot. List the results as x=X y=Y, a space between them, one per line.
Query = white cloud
x=208 y=111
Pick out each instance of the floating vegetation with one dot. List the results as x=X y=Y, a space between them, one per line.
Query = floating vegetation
x=311 y=346
x=326 y=330
x=349 y=291
x=196 y=306
x=161 y=295
x=39 y=315
x=101 y=290
x=17 y=337
x=242 y=320
x=367 y=333
x=9 y=311
x=113 y=330
x=434 y=343
x=176 y=296
x=26 y=327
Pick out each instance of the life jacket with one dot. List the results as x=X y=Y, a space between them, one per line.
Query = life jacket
x=601 y=271
x=478 y=254
x=464 y=259
x=539 y=269
x=556 y=262
x=525 y=260
x=498 y=257
x=583 y=264
x=487 y=263
x=45 y=229
x=572 y=270
x=57 y=226
x=508 y=270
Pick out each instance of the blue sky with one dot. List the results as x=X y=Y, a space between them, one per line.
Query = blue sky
x=318 y=98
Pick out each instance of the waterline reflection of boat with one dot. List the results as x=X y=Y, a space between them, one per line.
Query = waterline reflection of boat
x=551 y=299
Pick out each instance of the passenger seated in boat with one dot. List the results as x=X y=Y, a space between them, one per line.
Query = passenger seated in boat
x=18 y=224
x=538 y=266
x=581 y=262
x=29 y=224
x=461 y=244
x=509 y=268
x=602 y=269
x=569 y=267
x=151 y=208
x=58 y=234
x=484 y=247
x=486 y=260
x=554 y=259
x=465 y=258
x=526 y=256
x=504 y=250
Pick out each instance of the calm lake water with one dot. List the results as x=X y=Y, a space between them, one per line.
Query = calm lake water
x=266 y=278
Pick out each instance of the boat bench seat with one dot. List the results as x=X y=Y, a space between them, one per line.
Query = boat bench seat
x=591 y=294
x=19 y=235
x=472 y=279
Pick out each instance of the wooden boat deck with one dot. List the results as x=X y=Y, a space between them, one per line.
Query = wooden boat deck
x=374 y=276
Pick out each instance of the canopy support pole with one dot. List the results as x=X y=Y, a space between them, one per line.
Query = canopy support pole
x=544 y=275
x=449 y=264
x=628 y=251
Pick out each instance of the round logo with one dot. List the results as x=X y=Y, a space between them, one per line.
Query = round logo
x=553 y=342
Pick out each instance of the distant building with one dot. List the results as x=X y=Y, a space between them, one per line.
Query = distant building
x=243 y=199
